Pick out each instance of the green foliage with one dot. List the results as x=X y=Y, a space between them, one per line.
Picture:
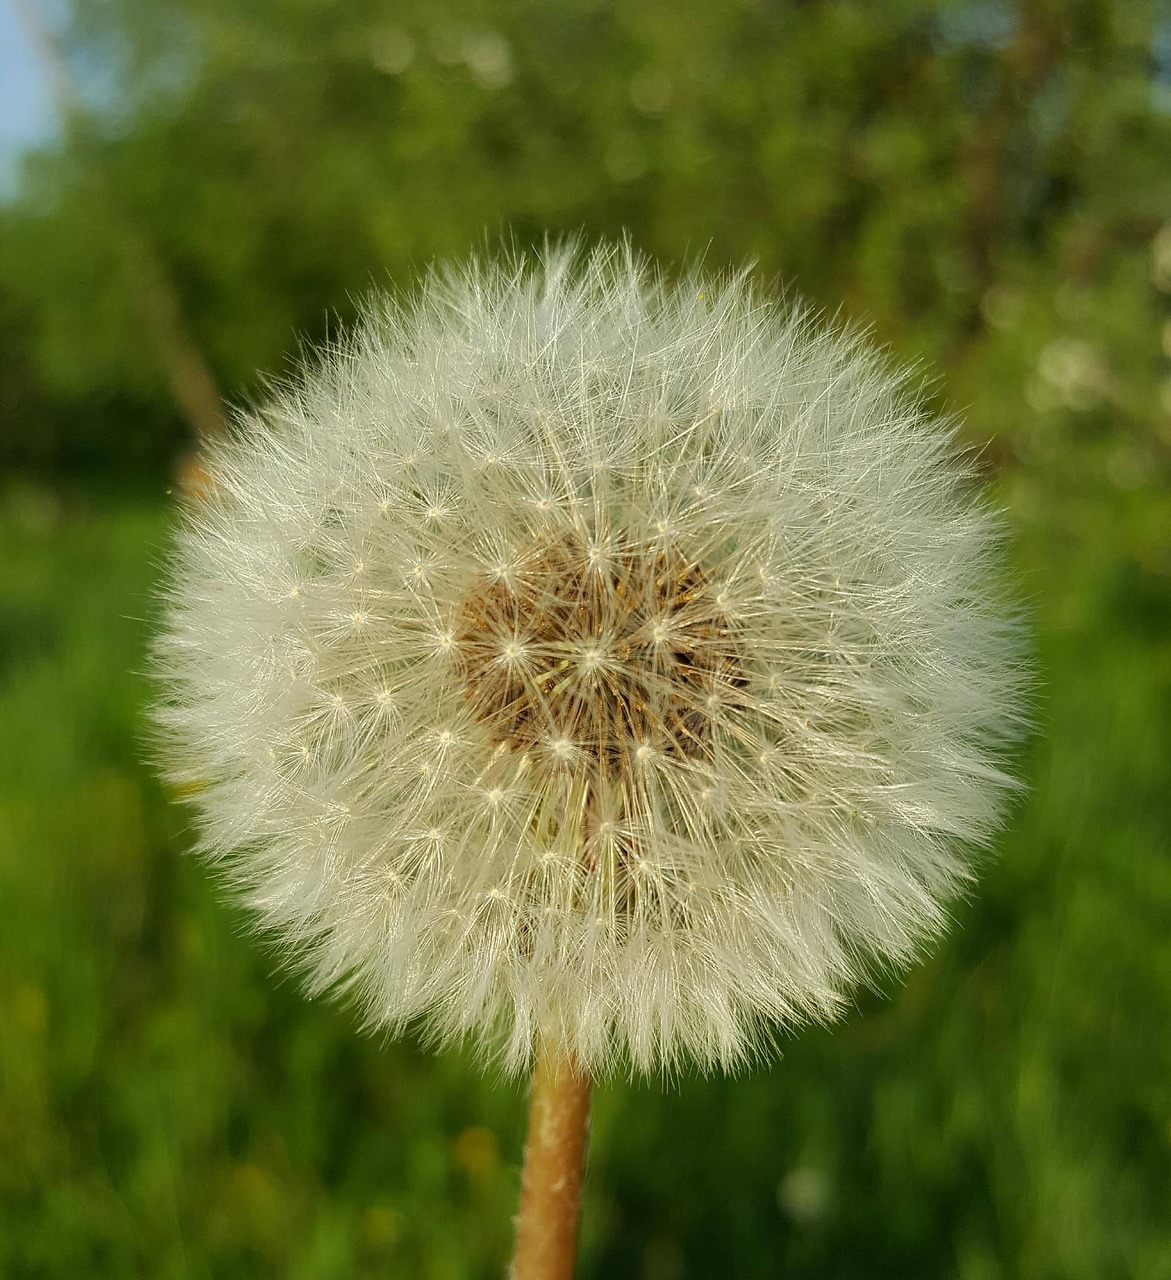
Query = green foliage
x=987 y=184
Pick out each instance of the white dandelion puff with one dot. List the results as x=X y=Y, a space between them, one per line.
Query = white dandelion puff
x=574 y=656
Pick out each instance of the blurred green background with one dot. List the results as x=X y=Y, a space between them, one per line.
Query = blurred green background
x=988 y=185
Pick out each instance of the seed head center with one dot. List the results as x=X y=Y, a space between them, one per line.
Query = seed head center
x=625 y=657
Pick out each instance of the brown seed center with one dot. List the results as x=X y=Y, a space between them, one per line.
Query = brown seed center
x=597 y=654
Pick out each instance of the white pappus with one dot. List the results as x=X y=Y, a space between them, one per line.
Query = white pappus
x=573 y=654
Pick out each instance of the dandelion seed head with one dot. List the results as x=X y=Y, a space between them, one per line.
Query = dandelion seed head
x=648 y=679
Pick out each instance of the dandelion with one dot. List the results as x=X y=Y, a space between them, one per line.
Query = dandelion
x=605 y=672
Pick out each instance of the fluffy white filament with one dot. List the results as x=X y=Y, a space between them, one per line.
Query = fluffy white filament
x=573 y=654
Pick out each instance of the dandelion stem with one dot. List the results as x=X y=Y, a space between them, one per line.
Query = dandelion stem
x=554 y=1165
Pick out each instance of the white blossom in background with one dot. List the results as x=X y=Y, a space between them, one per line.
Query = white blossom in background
x=571 y=654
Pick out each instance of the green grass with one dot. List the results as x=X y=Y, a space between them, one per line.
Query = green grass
x=171 y=1107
